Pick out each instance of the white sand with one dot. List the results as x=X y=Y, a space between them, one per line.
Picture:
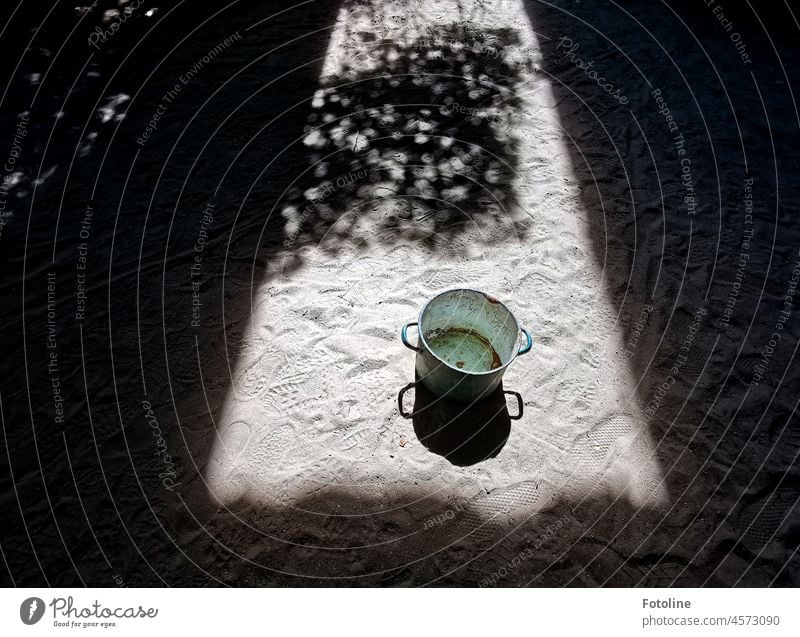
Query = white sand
x=313 y=403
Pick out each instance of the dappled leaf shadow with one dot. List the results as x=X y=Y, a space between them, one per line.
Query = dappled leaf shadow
x=425 y=142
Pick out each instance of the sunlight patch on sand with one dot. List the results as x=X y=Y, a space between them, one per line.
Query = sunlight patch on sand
x=314 y=396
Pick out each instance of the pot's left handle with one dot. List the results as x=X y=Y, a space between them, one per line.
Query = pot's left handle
x=404 y=337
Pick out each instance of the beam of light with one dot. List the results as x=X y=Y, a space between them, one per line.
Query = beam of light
x=313 y=399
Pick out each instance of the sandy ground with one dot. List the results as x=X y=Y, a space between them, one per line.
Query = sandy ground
x=314 y=398
x=244 y=393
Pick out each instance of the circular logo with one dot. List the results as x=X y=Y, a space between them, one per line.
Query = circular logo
x=31 y=610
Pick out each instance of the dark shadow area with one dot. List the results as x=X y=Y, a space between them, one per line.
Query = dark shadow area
x=399 y=538
x=463 y=433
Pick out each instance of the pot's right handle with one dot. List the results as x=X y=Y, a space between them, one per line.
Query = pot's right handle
x=528 y=342
x=404 y=337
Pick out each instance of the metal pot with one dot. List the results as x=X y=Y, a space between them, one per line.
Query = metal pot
x=467 y=339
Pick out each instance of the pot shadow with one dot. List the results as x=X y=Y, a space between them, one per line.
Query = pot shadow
x=462 y=433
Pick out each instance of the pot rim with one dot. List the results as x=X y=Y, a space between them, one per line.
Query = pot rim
x=489 y=299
